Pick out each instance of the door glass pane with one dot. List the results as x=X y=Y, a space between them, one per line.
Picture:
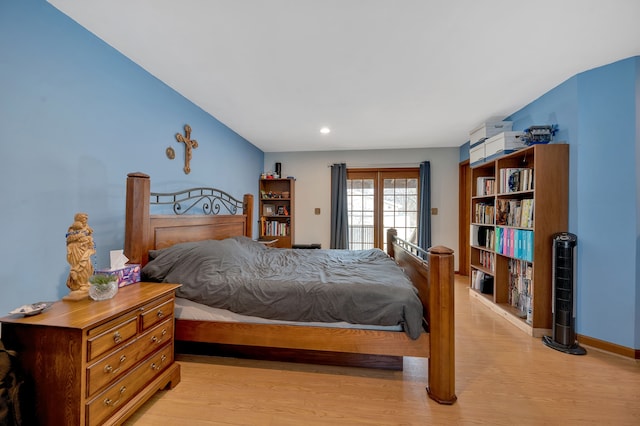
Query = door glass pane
x=399 y=204
x=400 y=208
x=360 y=199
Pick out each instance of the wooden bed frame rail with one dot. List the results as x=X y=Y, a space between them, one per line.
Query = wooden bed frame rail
x=435 y=284
x=431 y=273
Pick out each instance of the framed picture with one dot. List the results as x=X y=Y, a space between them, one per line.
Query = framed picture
x=268 y=210
x=281 y=211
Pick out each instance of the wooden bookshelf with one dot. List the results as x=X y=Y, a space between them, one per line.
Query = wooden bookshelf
x=277 y=211
x=541 y=186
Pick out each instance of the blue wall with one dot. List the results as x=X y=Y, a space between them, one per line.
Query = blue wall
x=597 y=114
x=76 y=117
x=606 y=202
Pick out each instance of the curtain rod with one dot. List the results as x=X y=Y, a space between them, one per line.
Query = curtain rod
x=377 y=166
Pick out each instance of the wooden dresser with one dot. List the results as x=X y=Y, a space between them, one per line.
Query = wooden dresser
x=94 y=363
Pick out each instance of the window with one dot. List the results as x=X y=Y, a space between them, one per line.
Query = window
x=379 y=199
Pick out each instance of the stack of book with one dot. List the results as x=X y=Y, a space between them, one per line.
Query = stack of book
x=274 y=228
x=484 y=213
x=487 y=260
x=482 y=282
x=516 y=243
x=521 y=286
x=512 y=212
x=516 y=179
x=482 y=236
x=485 y=186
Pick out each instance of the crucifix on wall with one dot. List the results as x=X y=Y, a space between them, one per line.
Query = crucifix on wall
x=189 y=146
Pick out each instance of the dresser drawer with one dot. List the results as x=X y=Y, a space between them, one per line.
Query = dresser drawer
x=110 y=368
x=155 y=312
x=116 y=333
x=108 y=402
x=156 y=337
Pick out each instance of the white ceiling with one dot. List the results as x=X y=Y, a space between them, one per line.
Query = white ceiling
x=380 y=73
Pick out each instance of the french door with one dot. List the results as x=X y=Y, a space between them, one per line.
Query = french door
x=379 y=199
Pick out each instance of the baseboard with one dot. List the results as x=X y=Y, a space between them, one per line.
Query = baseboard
x=609 y=347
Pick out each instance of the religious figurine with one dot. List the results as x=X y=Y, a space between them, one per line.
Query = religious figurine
x=80 y=248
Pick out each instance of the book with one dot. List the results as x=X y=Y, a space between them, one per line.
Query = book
x=485 y=185
x=525 y=219
x=502 y=211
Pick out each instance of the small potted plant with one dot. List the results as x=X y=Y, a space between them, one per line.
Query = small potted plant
x=103 y=286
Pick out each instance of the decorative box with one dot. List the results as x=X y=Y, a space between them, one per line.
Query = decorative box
x=128 y=275
x=476 y=153
x=488 y=129
x=503 y=143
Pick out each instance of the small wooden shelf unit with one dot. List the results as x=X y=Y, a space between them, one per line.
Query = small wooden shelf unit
x=277 y=211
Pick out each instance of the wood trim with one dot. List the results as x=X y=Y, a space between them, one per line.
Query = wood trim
x=609 y=347
x=464 y=217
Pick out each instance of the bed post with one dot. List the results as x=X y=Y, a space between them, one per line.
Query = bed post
x=136 y=229
x=441 y=386
x=392 y=233
x=247 y=210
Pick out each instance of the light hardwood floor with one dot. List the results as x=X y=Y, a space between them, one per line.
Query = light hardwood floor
x=503 y=377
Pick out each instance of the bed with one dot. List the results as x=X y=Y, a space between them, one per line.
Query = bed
x=222 y=217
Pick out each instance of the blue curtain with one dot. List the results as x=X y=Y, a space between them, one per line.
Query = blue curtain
x=424 y=222
x=339 y=209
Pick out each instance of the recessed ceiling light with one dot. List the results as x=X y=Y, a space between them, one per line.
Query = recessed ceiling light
x=325 y=130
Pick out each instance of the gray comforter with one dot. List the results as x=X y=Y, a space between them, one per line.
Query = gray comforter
x=241 y=275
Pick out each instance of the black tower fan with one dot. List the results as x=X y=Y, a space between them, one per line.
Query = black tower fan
x=564 y=296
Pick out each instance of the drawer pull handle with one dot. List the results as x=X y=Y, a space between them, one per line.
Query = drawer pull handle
x=109 y=369
x=117 y=337
x=155 y=339
x=155 y=366
x=160 y=314
x=108 y=402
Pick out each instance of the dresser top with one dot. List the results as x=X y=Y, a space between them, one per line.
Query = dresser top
x=87 y=312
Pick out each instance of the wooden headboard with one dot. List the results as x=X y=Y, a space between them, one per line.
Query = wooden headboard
x=223 y=216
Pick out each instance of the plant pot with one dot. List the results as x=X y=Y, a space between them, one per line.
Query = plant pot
x=103 y=291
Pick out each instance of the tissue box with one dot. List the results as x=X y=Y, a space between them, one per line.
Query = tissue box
x=128 y=275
